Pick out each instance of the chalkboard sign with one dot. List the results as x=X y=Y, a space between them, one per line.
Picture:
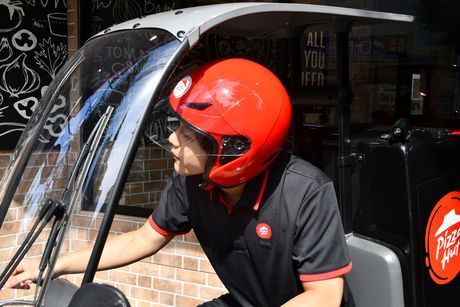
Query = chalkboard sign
x=315 y=45
x=98 y=15
x=33 y=47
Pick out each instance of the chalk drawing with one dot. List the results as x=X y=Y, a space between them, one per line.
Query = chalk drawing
x=24 y=40
x=55 y=124
x=32 y=34
x=9 y=127
x=61 y=103
x=50 y=57
x=15 y=15
x=98 y=4
x=2 y=108
x=25 y=107
x=17 y=78
x=38 y=23
x=57 y=23
x=125 y=10
x=56 y=3
x=31 y=2
x=5 y=50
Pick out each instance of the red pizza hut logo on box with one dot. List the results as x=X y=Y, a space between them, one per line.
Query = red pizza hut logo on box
x=442 y=239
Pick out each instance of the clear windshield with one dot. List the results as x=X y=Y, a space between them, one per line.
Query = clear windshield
x=84 y=125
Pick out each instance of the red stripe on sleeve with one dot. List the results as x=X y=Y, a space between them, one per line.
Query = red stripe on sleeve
x=328 y=275
x=161 y=230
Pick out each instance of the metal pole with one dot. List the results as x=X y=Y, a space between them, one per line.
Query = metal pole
x=344 y=96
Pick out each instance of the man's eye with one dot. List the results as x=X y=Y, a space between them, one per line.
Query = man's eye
x=187 y=136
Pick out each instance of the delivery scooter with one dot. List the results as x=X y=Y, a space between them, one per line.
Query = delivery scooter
x=78 y=147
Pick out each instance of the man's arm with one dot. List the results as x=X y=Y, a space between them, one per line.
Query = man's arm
x=324 y=293
x=118 y=251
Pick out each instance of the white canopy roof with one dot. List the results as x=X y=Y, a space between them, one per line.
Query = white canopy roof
x=264 y=20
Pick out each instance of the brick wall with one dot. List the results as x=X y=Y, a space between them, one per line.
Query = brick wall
x=147 y=178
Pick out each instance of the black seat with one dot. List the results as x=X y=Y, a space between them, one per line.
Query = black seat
x=59 y=293
x=98 y=295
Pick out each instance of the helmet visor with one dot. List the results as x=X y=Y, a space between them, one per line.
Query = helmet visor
x=165 y=122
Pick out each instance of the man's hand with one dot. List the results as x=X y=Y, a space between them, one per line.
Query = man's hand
x=24 y=275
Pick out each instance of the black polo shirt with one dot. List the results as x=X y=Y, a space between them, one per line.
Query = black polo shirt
x=284 y=230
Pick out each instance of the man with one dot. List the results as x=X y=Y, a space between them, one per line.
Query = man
x=268 y=221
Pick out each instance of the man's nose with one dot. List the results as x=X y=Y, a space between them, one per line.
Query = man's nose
x=173 y=140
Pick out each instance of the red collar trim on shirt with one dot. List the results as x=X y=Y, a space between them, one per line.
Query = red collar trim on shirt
x=256 y=206
x=227 y=205
x=261 y=192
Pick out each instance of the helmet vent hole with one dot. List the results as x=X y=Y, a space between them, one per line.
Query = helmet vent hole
x=200 y=106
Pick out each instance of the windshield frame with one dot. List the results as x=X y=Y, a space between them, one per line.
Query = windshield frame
x=112 y=203
x=30 y=139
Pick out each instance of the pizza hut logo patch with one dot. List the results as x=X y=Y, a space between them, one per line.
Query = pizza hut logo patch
x=182 y=87
x=264 y=231
x=442 y=239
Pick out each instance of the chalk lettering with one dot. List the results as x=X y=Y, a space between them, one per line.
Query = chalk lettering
x=314 y=41
x=314 y=59
x=312 y=78
x=151 y=7
x=118 y=52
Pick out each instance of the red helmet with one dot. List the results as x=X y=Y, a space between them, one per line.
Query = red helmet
x=243 y=108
